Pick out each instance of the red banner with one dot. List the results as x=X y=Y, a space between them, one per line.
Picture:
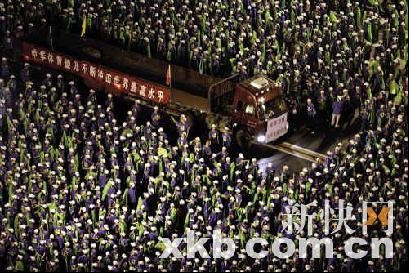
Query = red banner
x=107 y=77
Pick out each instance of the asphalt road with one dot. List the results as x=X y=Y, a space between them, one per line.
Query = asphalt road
x=320 y=142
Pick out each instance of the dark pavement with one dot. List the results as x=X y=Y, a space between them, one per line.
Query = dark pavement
x=319 y=142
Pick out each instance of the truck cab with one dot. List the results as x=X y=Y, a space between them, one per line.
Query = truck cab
x=260 y=106
x=256 y=106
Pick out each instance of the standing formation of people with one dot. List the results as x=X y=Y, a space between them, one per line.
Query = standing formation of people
x=82 y=191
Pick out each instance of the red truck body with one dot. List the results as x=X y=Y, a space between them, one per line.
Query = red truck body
x=99 y=75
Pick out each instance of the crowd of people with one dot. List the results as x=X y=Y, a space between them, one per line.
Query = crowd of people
x=317 y=50
x=82 y=191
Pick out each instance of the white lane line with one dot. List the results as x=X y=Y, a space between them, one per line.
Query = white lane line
x=297 y=151
x=293 y=153
x=287 y=151
x=303 y=150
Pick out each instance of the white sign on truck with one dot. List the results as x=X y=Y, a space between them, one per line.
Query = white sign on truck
x=277 y=127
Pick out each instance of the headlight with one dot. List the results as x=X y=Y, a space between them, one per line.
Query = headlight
x=261 y=138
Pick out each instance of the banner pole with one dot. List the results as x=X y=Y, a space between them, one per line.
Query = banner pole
x=170 y=83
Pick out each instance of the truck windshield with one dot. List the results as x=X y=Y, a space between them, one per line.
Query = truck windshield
x=272 y=108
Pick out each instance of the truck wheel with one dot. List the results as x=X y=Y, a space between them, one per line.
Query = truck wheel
x=196 y=124
x=190 y=115
x=243 y=139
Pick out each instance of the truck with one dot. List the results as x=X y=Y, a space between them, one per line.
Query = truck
x=255 y=108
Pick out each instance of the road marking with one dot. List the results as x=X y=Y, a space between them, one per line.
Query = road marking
x=303 y=150
x=296 y=151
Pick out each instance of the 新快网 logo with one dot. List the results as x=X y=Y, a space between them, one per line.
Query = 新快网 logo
x=384 y=216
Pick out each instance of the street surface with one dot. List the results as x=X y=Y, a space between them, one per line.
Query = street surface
x=300 y=149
